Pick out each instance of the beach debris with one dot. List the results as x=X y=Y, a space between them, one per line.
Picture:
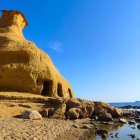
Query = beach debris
x=31 y=114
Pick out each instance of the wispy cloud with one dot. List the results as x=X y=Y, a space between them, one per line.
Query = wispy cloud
x=56 y=46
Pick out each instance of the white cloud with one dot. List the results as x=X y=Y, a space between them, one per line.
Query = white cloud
x=56 y=46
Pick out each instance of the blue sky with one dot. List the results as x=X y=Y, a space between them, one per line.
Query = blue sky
x=95 y=44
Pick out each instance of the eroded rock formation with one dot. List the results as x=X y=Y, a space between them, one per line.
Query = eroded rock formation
x=23 y=66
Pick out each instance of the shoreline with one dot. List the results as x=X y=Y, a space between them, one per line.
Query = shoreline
x=40 y=118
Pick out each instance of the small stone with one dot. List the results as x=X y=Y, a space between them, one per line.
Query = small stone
x=133 y=127
x=86 y=127
x=132 y=136
x=75 y=125
x=137 y=120
x=138 y=126
x=121 y=120
x=132 y=122
x=116 y=135
x=102 y=131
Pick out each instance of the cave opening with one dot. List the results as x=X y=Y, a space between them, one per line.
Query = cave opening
x=59 y=90
x=47 y=88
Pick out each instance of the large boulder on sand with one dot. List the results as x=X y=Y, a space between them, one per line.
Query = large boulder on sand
x=31 y=114
x=86 y=107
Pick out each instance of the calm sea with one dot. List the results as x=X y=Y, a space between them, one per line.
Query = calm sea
x=121 y=104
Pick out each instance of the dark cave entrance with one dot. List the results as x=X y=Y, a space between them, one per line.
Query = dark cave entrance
x=59 y=90
x=47 y=88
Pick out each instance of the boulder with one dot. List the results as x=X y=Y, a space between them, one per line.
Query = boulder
x=131 y=122
x=73 y=103
x=137 y=120
x=99 y=110
x=115 y=112
x=60 y=110
x=138 y=126
x=31 y=114
x=105 y=117
x=100 y=104
x=121 y=120
x=47 y=112
x=90 y=110
x=73 y=113
x=102 y=131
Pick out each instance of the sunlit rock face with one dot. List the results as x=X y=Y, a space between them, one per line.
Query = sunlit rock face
x=23 y=66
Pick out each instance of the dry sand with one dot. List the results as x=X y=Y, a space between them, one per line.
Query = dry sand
x=13 y=104
x=44 y=129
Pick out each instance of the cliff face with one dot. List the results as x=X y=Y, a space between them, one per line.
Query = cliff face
x=23 y=66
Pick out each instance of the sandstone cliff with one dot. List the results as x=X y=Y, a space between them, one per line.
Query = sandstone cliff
x=23 y=66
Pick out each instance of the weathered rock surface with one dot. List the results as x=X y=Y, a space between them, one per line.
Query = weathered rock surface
x=73 y=113
x=99 y=110
x=47 y=112
x=23 y=66
x=31 y=114
x=115 y=112
x=105 y=117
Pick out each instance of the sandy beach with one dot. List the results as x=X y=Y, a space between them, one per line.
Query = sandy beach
x=45 y=129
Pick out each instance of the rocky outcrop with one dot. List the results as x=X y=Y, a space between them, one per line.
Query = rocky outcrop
x=23 y=66
x=73 y=113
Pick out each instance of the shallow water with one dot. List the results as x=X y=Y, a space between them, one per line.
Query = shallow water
x=123 y=133
x=122 y=130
